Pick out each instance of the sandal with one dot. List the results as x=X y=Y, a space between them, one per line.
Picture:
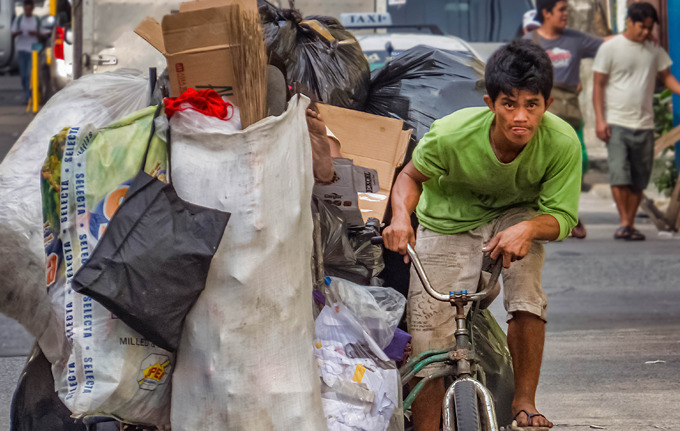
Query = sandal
x=622 y=233
x=579 y=230
x=528 y=427
x=635 y=235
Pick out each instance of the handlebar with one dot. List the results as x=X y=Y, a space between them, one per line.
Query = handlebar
x=495 y=269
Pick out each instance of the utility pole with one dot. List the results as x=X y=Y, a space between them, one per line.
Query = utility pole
x=77 y=20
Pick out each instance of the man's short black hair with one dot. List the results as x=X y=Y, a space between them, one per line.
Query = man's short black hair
x=519 y=65
x=544 y=4
x=28 y=2
x=639 y=12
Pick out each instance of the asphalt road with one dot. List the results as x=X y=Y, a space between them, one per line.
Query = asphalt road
x=13 y=115
x=612 y=355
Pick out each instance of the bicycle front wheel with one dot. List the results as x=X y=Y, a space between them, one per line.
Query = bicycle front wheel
x=466 y=406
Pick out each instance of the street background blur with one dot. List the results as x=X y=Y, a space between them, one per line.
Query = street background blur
x=612 y=352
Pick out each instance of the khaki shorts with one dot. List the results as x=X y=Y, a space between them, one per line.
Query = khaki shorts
x=454 y=262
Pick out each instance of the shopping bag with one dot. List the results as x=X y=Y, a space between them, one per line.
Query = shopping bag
x=152 y=262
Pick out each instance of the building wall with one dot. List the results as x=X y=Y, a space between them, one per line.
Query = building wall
x=330 y=7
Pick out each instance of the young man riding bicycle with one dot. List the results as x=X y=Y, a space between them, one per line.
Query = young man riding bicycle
x=495 y=180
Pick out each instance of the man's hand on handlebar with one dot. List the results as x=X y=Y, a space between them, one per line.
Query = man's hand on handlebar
x=398 y=235
x=512 y=243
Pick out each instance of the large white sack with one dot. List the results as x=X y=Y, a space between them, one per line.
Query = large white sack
x=97 y=99
x=245 y=361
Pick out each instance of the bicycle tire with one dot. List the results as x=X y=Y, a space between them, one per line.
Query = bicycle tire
x=466 y=407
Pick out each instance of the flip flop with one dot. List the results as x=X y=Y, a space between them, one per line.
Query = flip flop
x=623 y=232
x=579 y=230
x=515 y=427
x=635 y=235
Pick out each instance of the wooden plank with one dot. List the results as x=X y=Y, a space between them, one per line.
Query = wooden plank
x=674 y=206
x=655 y=215
x=666 y=141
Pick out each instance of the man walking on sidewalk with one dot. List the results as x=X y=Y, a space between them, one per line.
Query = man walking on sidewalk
x=25 y=30
x=497 y=179
x=625 y=71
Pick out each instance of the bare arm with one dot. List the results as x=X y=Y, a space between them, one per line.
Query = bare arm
x=322 y=161
x=599 y=84
x=405 y=196
x=669 y=80
x=514 y=242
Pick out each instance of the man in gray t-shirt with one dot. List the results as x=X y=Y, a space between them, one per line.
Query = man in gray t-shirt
x=566 y=48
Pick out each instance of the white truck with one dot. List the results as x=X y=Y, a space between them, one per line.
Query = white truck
x=94 y=36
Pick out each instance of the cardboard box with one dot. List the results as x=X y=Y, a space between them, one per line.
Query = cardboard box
x=371 y=141
x=344 y=192
x=246 y=5
x=198 y=44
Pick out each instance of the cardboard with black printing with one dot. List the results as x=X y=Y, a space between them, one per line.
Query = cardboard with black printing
x=343 y=193
x=373 y=142
x=199 y=45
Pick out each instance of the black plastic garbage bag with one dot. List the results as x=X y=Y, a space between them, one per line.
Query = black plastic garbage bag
x=152 y=262
x=319 y=54
x=369 y=255
x=424 y=84
x=348 y=252
x=495 y=363
x=36 y=406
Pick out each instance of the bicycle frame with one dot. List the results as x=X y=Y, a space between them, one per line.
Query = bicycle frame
x=462 y=354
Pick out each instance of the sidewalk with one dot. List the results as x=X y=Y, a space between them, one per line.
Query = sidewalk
x=13 y=115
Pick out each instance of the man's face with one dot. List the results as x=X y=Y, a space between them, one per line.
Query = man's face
x=639 y=31
x=557 y=17
x=518 y=115
x=28 y=10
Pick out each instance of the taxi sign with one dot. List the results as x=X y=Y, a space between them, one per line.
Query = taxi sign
x=352 y=20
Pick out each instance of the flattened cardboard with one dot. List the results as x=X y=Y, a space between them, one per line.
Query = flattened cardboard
x=344 y=192
x=246 y=5
x=371 y=141
x=198 y=47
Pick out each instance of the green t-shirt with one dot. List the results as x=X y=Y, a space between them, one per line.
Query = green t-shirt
x=470 y=187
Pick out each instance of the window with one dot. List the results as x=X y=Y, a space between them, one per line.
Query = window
x=471 y=20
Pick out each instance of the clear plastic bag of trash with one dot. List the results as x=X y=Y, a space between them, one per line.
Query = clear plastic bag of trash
x=318 y=53
x=360 y=384
x=379 y=309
